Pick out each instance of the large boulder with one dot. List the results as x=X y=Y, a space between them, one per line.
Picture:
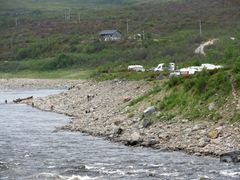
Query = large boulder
x=117 y=131
x=135 y=139
x=230 y=157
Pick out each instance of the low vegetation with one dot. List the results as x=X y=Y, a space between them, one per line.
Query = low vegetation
x=192 y=95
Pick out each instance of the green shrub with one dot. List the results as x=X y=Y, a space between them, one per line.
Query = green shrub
x=11 y=66
x=155 y=90
x=175 y=81
x=35 y=50
x=237 y=77
x=175 y=99
x=188 y=84
x=201 y=83
x=236 y=117
x=236 y=66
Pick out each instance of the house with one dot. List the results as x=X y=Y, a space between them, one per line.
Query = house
x=110 y=35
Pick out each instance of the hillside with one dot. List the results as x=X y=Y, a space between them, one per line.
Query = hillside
x=40 y=39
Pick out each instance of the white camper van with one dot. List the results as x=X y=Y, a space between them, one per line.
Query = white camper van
x=163 y=66
x=137 y=68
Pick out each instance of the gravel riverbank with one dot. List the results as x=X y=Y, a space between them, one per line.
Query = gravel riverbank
x=100 y=109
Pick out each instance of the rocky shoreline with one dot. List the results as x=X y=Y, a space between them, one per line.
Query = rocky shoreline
x=101 y=109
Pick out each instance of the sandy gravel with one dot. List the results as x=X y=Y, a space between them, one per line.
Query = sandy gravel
x=36 y=83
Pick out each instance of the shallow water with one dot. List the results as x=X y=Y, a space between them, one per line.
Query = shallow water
x=30 y=150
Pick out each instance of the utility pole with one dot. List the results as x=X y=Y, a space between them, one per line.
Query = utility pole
x=11 y=42
x=143 y=34
x=79 y=18
x=127 y=26
x=200 y=23
x=200 y=28
x=65 y=15
x=69 y=14
x=16 y=21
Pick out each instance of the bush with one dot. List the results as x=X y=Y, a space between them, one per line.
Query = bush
x=201 y=84
x=95 y=47
x=237 y=77
x=64 y=61
x=188 y=84
x=236 y=117
x=175 y=81
x=10 y=66
x=236 y=66
x=35 y=50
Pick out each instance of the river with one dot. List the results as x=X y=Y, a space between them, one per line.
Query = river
x=29 y=149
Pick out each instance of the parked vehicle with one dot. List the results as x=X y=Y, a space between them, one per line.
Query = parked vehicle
x=211 y=66
x=175 y=74
x=137 y=68
x=163 y=66
x=187 y=71
x=160 y=67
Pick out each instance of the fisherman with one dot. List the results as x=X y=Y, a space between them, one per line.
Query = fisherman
x=52 y=107
x=6 y=101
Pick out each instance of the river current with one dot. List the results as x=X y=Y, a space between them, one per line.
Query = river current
x=29 y=149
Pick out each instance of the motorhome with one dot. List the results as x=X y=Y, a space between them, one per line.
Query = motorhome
x=137 y=68
x=163 y=66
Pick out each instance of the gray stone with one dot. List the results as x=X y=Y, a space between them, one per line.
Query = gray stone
x=135 y=136
x=135 y=139
x=231 y=157
x=198 y=127
x=204 y=178
x=203 y=142
x=220 y=129
x=211 y=106
x=164 y=136
x=146 y=123
x=117 y=131
x=184 y=120
x=149 y=111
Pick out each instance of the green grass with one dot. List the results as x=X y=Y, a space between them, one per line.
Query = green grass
x=57 y=74
x=190 y=96
x=156 y=89
x=236 y=118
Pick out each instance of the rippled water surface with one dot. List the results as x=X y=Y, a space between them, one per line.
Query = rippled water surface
x=30 y=150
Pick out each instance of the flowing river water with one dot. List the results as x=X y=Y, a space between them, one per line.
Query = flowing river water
x=30 y=150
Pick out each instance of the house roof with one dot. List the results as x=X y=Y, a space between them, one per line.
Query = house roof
x=105 y=32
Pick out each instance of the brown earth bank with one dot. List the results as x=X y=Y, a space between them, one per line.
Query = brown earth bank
x=102 y=109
